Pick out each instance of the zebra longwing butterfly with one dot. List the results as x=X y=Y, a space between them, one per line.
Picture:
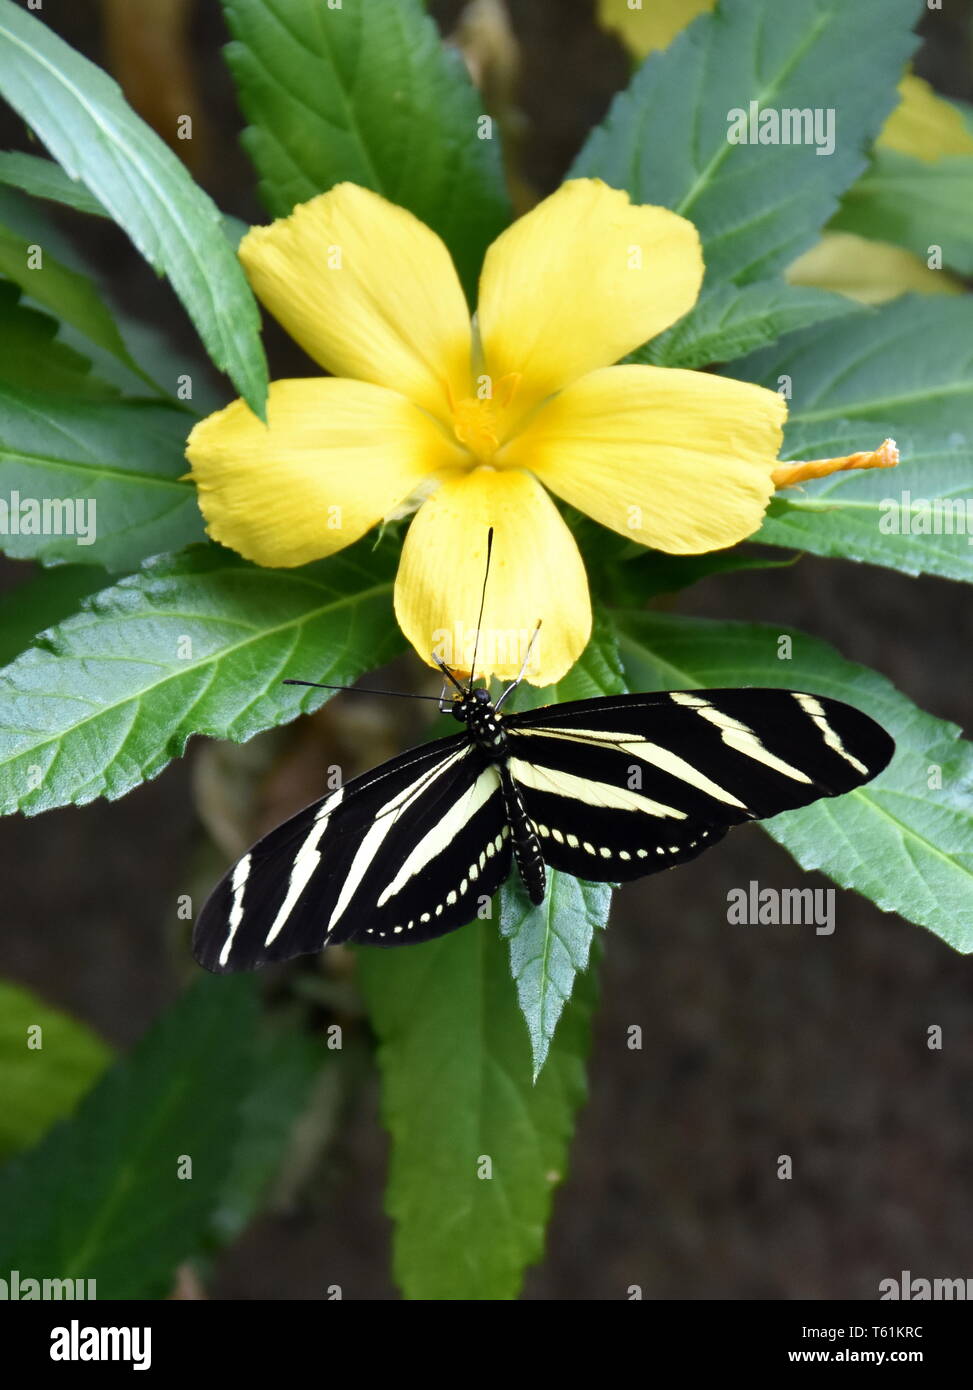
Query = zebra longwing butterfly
x=607 y=789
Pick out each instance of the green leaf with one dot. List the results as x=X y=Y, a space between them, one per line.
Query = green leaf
x=47 y=1062
x=43 y=599
x=914 y=204
x=906 y=371
x=551 y=943
x=33 y=353
x=367 y=92
x=69 y=295
x=901 y=840
x=732 y=320
x=69 y=472
x=757 y=206
x=287 y=1062
x=43 y=178
x=624 y=574
x=457 y=1095
x=549 y=946
x=82 y=117
x=152 y=352
x=909 y=363
x=103 y=1197
x=196 y=643
x=880 y=517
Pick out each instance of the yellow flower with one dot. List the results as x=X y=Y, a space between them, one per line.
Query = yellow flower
x=924 y=125
x=475 y=423
x=872 y=272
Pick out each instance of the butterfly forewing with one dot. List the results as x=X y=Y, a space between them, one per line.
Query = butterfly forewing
x=403 y=853
x=629 y=785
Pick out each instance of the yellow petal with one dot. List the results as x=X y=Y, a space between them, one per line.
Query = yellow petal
x=580 y=281
x=536 y=575
x=335 y=458
x=368 y=290
x=869 y=271
x=652 y=24
x=924 y=125
x=677 y=460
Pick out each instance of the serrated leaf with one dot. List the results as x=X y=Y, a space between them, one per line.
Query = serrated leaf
x=549 y=946
x=33 y=353
x=731 y=320
x=46 y=597
x=457 y=1095
x=915 y=204
x=909 y=362
x=68 y=470
x=196 y=643
x=367 y=92
x=901 y=840
x=68 y=294
x=880 y=517
x=103 y=1197
x=82 y=117
x=904 y=370
x=47 y=1062
x=757 y=206
x=551 y=943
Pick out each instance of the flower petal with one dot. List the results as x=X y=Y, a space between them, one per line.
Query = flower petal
x=580 y=281
x=678 y=460
x=536 y=574
x=335 y=458
x=869 y=271
x=369 y=291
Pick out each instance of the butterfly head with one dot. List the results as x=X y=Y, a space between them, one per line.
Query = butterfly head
x=472 y=705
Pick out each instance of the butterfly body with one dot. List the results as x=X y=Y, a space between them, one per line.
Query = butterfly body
x=607 y=790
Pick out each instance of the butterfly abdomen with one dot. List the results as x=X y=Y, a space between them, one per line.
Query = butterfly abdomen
x=527 y=847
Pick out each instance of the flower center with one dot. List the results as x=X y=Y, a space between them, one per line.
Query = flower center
x=481 y=422
x=475 y=425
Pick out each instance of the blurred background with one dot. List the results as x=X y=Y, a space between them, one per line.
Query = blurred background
x=757 y=1040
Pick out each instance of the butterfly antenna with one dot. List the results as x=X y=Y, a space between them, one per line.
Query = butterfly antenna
x=520 y=674
x=447 y=673
x=479 y=621
x=364 y=690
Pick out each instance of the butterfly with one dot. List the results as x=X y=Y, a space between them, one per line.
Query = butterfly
x=607 y=789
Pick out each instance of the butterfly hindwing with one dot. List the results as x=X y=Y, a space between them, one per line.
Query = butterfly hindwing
x=629 y=785
x=401 y=854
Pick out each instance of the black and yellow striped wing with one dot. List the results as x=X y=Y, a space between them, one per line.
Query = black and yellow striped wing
x=628 y=785
x=608 y=789
x=401 y=854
